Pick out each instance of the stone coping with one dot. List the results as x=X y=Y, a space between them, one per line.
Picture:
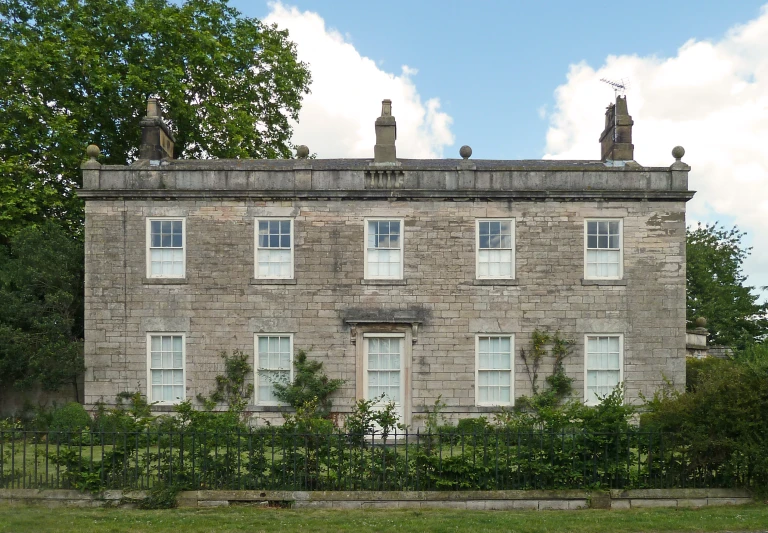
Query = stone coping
x=502 y=499
x=402 y=164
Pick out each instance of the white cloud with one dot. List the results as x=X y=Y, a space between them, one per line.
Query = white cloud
x=337 y=119
x=711 y=98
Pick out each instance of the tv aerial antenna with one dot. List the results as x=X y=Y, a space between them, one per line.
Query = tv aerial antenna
x=619 y=87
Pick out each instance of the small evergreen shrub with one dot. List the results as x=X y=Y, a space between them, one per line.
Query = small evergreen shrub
x=310 y=386
x=70 y=418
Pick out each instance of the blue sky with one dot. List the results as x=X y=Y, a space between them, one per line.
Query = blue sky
x=495 y=65
x=521 y=80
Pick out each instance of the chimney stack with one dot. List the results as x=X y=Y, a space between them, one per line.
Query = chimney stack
x=386 y=134
x=156 y=138
x=616 y=139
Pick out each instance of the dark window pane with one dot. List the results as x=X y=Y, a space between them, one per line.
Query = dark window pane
x=394 y=241
x=165 y=226
x=614 y=240
x=592 y=241
x=274 y=227
x=285 y=241
x=591 y=228
x=602 y=241
x=614 y=226
x=394 y=227
x=383 y=228
x=495 y=228
x=285 y=227
x=166 y=240
x=155 y=226
x=484 y=241
x=264 y=241
x=274 y=241
x=177 y=240
x=484 y=227
x=263 y=227
x=156 y=240
x=176 y=225
x=602 y=228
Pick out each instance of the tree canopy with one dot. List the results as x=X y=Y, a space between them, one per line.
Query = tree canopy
x=76 y=72
x=41 y=316
x=716 y=289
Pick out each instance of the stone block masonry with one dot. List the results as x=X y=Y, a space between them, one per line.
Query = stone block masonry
x=434 y=303
x=218 y=307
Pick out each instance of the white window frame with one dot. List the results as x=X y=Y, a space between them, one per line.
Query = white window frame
x=256 y=367
x=366 y=275
x=148 y=249
x=477 y=248
x=374 y=335
x=620 y=250
x=256 y=247
x=511 y=401
x=183 y=365
x=586 y=359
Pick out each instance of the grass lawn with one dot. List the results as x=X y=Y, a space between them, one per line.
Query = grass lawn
x=35 y=519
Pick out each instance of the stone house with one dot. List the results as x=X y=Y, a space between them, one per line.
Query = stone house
x=409 y=278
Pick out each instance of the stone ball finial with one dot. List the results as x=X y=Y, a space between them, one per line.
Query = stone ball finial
x=701 y=322
x=465 y=152
x=92 y=151
x=678 y=152
x=302 y=151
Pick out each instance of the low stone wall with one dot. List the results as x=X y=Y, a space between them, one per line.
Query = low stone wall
x=478 y=500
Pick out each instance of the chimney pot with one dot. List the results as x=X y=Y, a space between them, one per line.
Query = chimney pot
x=386 y=108
x=153 y=110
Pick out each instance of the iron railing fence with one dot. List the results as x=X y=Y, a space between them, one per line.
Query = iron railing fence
x=277 y=459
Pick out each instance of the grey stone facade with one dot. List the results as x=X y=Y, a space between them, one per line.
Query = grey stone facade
x=438 y=306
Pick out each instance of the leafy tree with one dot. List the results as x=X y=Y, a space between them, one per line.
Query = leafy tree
x=41 y=316
x=716 y=289
x=76 y=72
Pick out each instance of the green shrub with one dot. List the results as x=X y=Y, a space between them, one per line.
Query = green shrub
x=721 y=420
x=310 y=386
x=70 y=418
x=136 y=415
x=469 y=426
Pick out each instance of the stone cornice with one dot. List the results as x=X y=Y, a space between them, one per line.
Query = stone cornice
x=457 y=195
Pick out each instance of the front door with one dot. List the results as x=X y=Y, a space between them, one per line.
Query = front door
x=383 y=372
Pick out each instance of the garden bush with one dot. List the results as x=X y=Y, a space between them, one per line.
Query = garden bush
x=70 y=418
x=722 y=419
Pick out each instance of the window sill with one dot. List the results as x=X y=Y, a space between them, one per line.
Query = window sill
x=271 y=281
x=165 y=281
x=500 y=281
x=269 y=408
x=607 y=282
x=163 y=407
x=383 y=282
